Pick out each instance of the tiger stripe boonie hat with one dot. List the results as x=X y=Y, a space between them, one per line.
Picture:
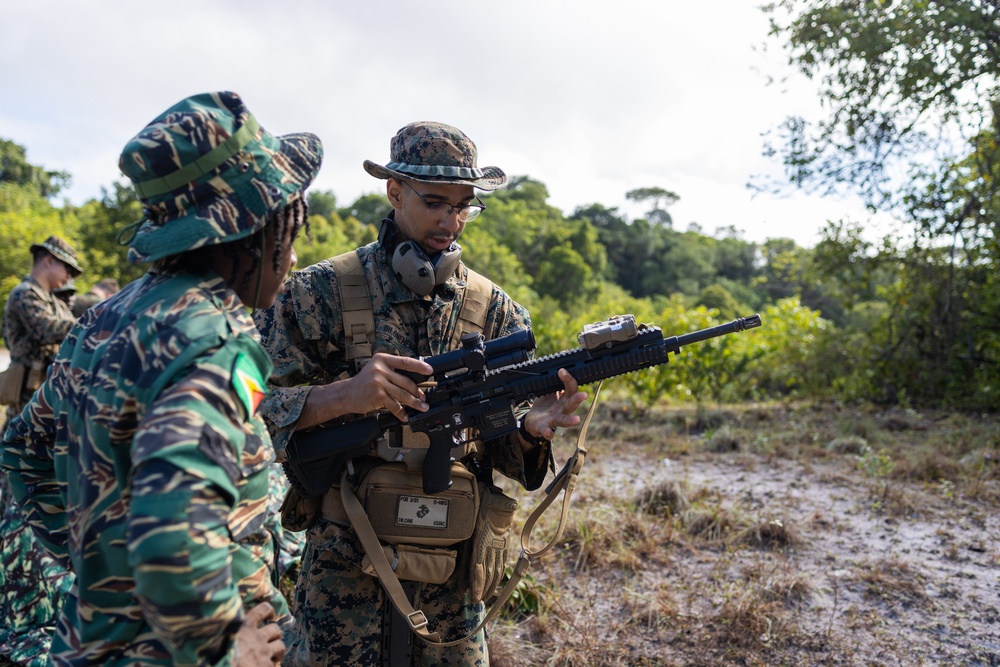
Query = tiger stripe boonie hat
x=61 y=250
x=206 y=172
x=436 y=153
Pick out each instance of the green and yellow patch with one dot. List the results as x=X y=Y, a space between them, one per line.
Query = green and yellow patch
x=248 y=383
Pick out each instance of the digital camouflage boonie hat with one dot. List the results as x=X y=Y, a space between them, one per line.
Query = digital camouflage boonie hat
x=62 y=251
x=206 y=172
x=436 y=153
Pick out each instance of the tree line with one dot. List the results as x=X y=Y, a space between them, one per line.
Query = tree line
x=913 y=319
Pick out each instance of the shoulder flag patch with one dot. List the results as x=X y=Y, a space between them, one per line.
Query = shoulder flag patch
x=248 y=383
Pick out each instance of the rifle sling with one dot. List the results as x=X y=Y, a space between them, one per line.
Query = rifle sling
x=390 y=582
x=566 y=481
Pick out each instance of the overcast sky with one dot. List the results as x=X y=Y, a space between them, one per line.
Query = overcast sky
x=592 y=98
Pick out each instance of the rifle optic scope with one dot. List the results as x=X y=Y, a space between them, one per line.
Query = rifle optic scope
x=477 y=353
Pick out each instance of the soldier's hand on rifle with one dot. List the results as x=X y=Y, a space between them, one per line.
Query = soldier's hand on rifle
x=379 y=385
x=555 y=410
x=258 y=641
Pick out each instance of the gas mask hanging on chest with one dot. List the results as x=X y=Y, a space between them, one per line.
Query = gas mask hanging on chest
x=411 y=264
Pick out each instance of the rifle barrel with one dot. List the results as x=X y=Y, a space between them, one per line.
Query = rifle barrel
x=739 y=324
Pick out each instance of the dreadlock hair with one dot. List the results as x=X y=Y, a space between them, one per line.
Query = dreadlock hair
x=285 y=224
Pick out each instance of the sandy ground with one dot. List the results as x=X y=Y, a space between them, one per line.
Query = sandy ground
x=858 y=586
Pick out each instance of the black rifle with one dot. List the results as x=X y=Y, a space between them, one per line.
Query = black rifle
x=477 y=387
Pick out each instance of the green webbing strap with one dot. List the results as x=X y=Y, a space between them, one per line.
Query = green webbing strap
x=206 y=163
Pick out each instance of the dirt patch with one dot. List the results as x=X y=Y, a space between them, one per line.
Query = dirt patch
x=759 y=547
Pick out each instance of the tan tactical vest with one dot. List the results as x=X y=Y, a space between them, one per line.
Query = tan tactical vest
x=359 y=322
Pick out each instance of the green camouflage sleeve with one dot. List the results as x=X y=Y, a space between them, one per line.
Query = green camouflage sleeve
x=191 y=504
x=300 y=361
x=27 y=458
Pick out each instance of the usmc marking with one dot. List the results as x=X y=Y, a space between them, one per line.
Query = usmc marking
x=422 y=511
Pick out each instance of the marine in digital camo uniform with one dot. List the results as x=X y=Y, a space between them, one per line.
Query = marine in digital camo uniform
x=140 y=460
x=339 y=611
x=32 y=583
x=100 y=291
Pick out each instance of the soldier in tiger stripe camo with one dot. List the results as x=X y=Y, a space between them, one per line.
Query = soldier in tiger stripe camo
x=141 y=461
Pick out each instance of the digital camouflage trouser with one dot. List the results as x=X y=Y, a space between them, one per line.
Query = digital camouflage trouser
x=338 y=610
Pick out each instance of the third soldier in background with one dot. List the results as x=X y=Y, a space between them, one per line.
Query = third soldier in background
x=100 y=291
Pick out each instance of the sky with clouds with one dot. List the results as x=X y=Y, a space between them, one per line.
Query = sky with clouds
x=590 y=97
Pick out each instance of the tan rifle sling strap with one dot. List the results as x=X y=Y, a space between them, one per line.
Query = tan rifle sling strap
x=359 y=322
x=565 y=480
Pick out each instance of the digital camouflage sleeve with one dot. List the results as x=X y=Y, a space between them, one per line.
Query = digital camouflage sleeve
x=33 y=320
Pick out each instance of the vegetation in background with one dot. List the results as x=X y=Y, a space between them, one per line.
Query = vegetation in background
x=911 y=93
x=913 y=118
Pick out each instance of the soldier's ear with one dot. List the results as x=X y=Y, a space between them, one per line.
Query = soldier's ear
x=394 y=191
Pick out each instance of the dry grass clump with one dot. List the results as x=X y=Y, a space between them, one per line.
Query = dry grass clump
x=755 y=611
x=512 y=644
x=850 y=444
x=749 y=616
x=701 y=516
x=706 y=419
x=893 y=580
x=780 y=582
x=713 y=525
x=725 y=439
x=768 y=534
x=666 y=498
x=983 y=489
x=928 y=466
x=652 y=608
x=895 y=501
x=615 y=538
x=855 y=425
x=580 y=635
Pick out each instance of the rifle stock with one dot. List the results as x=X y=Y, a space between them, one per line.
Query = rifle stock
x=478 y=387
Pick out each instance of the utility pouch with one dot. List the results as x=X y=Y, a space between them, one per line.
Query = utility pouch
x=12 y=384
x=401 y=513
x=490 y=541
x=299 y=512
x=36 y=375
x=414 y=563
